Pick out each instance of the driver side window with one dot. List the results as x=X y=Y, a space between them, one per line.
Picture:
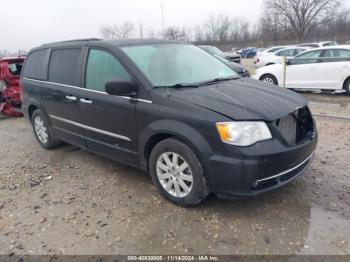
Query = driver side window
x=102 y=66
x=311 y=57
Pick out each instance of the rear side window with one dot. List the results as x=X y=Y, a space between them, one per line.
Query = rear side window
x=103 y=66
x=36 y=65
x=65 y=66
x=15 y=68
x=337 y=53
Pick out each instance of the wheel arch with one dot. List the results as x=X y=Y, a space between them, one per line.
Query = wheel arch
x=163 y=129
x=32 y=105
x=31 y=109
x=344 y=83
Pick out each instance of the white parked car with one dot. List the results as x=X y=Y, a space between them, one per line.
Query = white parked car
x=277 y=56
x=319 y=44
x=322 y=68
x=269 y=50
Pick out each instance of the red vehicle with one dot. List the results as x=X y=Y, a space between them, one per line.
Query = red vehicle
x=10 y=98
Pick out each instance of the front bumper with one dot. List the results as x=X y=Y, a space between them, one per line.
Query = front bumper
x=263 y=167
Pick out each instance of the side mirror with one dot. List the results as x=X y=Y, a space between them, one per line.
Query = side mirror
x=119 y=87
x=288 y=62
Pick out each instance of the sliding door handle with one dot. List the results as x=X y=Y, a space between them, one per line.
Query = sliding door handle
x=85 y=101
x=71 y=98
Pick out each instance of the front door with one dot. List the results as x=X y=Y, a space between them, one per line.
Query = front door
x=108 y=121
x=332 y=68
x=300 y=73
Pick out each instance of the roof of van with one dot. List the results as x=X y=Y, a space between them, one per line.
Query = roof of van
x=119 y=42
x=21 y=58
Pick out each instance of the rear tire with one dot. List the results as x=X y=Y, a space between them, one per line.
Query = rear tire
x=347 y=87
x=268 y=78
x=43 y=132
x=177 y=172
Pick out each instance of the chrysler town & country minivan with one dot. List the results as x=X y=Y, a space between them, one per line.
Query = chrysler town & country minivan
x=171 y=109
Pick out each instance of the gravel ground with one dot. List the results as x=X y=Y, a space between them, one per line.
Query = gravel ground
x=69 y=201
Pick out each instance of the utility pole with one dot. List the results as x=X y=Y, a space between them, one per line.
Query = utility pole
x=163 y=19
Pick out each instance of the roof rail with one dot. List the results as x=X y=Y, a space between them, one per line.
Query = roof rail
x=75 y=40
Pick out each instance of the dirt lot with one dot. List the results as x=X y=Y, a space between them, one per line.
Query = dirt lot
x=69 y=201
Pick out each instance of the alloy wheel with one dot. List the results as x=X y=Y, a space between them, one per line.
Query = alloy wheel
x=268 y=80
x=41 y=130
x=174 y=174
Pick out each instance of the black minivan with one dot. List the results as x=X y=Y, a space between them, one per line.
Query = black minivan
x=171 y=109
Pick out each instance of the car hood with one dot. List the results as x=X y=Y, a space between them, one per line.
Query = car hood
x=244 y=99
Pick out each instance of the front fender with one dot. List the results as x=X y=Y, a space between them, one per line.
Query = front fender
x=182 y=131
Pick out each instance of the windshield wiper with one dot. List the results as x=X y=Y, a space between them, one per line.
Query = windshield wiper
x=180 y=85
x=195 y=85
x=218 y=79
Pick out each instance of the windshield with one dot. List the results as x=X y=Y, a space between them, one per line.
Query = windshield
x=15 y=67
x=172 y=64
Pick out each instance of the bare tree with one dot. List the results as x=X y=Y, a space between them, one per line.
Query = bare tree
x=141 y=29
x=300 y=16
x=151 y=34
x=188 y=33
x=217 y=27
x=198 y=34
x=268 y=29
x=239 y=30
x=4 y=53
x=122 y=31
x=173 y=33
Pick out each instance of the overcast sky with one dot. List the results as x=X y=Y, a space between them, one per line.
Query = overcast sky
x=28 y=23
x=25 y=24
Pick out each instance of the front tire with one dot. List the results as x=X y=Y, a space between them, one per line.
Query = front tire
x=43 y=132
x=177 y=172
x=268 y=78
x=347 y=87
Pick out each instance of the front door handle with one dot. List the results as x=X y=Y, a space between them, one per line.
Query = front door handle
x=71 y=98
x=85 y=101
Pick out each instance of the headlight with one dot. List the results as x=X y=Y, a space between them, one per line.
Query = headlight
x=244 y=133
